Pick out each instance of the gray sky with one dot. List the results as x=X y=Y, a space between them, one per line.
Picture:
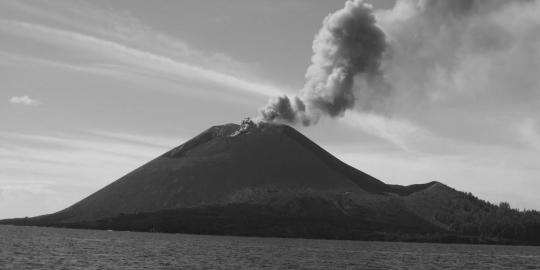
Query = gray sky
x=92 y=89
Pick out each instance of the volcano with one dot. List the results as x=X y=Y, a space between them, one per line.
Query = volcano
x=267 y=180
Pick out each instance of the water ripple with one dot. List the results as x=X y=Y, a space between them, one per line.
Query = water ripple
x=54 y=248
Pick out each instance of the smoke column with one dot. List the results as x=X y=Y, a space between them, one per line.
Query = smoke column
x=348 y=47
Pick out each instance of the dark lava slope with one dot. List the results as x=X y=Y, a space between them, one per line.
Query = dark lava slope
x=263 y=164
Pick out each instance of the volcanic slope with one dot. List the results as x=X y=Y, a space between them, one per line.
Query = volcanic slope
x=267 y=180
x=225 y=164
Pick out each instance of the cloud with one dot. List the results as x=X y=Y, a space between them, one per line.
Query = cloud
x=121 y=42
x=121 y=27
x=143 y=60
x=24 y=100
x=115 y=146
x=60 y=169
x=528 y=130
x=154 y=140
x=400 y=133
x=478 y=55
x=403 y=134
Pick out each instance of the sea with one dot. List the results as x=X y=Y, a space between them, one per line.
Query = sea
x=59 y=248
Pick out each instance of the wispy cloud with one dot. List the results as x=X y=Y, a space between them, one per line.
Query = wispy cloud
x=153 y=140
x=68 y=166
x=123 y=27
x=401 y=133
x=527 y=131
x=24 y=100
x=59 y=148
x=145 y=61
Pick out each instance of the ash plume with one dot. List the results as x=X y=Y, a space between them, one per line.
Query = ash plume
x=420 y=55
x=348 y=47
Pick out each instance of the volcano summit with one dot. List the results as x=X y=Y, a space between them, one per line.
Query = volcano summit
x=270 y=180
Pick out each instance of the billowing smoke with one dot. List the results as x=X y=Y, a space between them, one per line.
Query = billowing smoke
x=348 y=48
x=423 y=60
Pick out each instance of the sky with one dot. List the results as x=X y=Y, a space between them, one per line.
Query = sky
x=90 y=90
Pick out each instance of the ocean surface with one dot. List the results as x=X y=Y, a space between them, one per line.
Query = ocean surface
x=54 y=248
